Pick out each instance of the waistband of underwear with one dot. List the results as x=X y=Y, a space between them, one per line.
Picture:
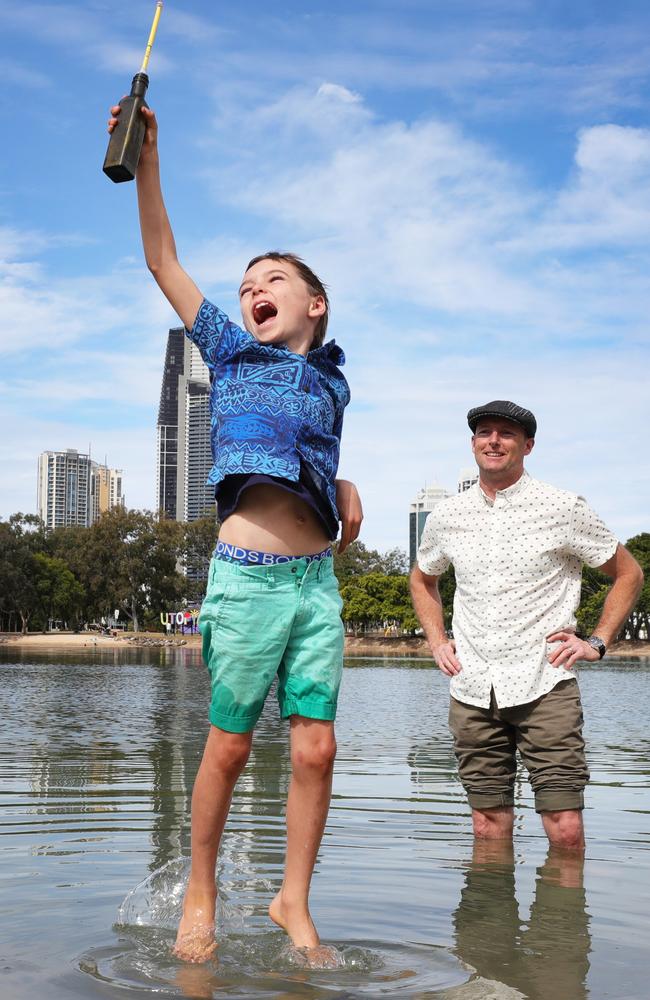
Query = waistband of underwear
x=250 y=557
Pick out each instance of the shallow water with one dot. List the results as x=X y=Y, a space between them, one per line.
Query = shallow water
x=97 y=762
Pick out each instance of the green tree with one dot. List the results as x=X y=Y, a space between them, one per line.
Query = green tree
x=594 y=589
x=71 y=545
x=596 y=585
x=375 y=598
x=638 y=623
x=357 y=560
x=447 y=588
x=200 y=538
x=21 y=537
x=60 y=594
x=361 y=608
x=394 y=562
x=130 y=564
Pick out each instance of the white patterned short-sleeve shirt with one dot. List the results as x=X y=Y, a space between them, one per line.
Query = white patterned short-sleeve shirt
x=518 y=564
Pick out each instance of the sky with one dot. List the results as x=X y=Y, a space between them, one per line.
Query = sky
x=471 y=179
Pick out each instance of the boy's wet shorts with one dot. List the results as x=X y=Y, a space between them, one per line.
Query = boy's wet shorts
x=548 y=734
x=261 y=621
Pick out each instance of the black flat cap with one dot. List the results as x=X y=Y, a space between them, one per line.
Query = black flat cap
x=508 y=411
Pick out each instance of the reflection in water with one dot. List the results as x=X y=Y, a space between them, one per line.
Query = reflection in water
x=97 y=763
x=546 y=958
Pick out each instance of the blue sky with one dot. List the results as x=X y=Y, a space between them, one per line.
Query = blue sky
x=471 y=179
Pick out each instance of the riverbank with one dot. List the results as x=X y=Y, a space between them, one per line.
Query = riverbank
x=417 y=646
x=374 y=645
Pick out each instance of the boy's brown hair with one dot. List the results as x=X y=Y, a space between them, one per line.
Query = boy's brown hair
x=313 y=282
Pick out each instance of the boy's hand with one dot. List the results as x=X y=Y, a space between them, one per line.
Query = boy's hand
x=150 y=141
x=348 y=502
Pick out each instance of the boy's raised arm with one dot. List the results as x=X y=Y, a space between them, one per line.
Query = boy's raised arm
x=157 y=237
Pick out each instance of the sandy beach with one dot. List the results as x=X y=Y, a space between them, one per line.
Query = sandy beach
x=354 y=645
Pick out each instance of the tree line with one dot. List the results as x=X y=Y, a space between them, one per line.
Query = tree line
x=132 y=561
x=141 y=563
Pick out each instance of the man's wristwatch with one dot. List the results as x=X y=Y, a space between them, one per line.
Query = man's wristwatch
x=597 y=643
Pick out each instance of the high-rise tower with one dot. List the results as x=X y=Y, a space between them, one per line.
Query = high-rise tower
x=167 y=437
x=184 y=455
x=424 y=502
x=105 y=490
x=72 y=489
x=64 y=479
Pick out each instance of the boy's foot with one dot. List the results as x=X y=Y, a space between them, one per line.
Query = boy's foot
x=196 y=945
x=195 y=939
x=323 y=956
x=296 y=921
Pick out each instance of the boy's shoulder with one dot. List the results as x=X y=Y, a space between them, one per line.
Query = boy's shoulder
x=226 y=347
x=216 y=336
x=328 y=354
x=326 y=363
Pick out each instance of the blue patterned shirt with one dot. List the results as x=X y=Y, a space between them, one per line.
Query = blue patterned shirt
x=271 y=409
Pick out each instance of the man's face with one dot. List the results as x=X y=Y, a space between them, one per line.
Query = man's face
x=500 y=447
x=277 y=306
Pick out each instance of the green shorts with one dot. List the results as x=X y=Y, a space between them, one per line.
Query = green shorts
x=548 y=734
x=261 y=621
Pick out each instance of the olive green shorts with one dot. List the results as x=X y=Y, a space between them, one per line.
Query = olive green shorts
x=259 y=622
x=548 y=734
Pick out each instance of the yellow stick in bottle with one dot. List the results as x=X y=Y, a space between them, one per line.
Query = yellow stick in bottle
x=152 y=35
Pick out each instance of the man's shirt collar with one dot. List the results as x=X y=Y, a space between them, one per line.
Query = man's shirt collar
x=509 y=493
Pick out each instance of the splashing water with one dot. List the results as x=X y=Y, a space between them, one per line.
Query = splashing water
x=157 y=901
x=249 y=957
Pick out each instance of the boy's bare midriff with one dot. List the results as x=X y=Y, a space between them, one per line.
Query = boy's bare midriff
x=270 y=519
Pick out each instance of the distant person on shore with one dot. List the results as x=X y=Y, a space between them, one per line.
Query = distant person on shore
x=272 y=607
x=517 y=546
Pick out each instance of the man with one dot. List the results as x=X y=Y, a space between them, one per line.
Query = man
x=517 y=546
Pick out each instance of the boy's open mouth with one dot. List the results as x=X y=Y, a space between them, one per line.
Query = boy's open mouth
x=263 y=310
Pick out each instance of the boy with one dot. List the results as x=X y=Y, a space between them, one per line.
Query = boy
x=272 y=605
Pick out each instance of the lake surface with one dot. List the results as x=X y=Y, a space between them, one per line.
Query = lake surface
x=98 y=756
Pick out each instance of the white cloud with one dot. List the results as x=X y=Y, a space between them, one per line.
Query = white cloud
x=606 y=203
x=191 y=27
x=496 y=61
x=424 y=215
x=83 y=33
x=454 y=280
x=132 y=450
x=409 y=427
x=15 y=73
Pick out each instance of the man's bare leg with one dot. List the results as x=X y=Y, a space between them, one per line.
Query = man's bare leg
x=493 y=824
x=224 y=757
x=493 y=853
x=565 y=829
x=313 y=749
x=564 y=868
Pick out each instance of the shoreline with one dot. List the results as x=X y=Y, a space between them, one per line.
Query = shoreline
x=377 y=645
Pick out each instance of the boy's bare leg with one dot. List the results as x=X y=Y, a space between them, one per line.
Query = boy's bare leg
x=224 y=757
x=313 y=749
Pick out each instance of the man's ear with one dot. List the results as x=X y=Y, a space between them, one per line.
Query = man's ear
x=530 y=444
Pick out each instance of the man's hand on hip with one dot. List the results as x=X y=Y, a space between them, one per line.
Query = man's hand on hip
x=570 y=650
x=444 y=653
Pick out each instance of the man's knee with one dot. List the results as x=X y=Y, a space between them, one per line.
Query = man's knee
x=565 y=829
x=493 y=824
